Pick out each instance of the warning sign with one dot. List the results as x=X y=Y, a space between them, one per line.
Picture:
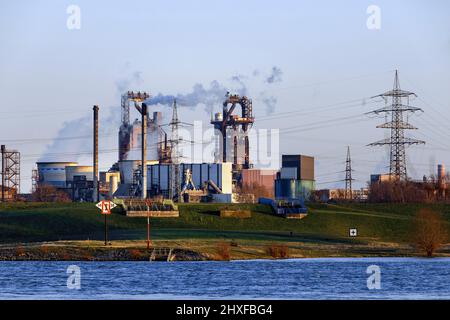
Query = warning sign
x=106 y=206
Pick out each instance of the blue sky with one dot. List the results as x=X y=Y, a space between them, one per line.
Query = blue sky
x=50 y=75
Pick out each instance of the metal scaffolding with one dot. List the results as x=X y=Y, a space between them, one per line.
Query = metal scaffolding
x=10 y=174
x=239 y=124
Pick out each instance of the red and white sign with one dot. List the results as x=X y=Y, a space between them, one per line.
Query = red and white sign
x=105 y=206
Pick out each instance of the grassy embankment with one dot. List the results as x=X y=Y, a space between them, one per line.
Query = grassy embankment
x=384 y=230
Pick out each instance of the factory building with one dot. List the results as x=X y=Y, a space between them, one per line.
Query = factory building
x=215 y=177
x=80 y=182
x=252 y=179
x=295 y=180
x=211 y=175
x=75 y=180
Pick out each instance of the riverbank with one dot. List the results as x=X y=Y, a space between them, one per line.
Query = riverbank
x=74 y=231
x=201 y=250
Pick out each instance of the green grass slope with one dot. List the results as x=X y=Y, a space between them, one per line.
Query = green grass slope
x=26 y=222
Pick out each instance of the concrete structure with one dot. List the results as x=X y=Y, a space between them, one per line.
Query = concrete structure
x=53 y=173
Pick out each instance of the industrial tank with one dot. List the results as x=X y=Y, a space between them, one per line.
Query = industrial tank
x=128 y=167
x=72 y=171
x=53 y=173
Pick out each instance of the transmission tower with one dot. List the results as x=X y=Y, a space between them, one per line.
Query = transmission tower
x=175 y=188
x=348 y=176
x=397 y=142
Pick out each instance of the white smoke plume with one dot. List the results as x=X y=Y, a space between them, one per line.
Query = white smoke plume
x=67 y=148
x=275 y=76
x=74 y=140
x=214 y=94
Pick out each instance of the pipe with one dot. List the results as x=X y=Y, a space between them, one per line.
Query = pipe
x=144 y=151
x=95 y=193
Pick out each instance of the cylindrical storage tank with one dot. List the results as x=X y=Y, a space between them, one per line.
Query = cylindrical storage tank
x=53 y=173
x=113 y=185
x=72 y=171
x=127 y=168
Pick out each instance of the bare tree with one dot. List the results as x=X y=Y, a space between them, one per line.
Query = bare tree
x=430 y=231
x=258 y=190
x=47 y=193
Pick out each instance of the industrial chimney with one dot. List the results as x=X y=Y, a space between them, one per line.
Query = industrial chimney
x=95 y=194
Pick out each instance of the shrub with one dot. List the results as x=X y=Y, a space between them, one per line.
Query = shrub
x=429 y=232
x=277 y=251
x=135 y=254
x=223 y=251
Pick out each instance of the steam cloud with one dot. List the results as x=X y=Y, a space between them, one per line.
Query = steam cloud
x=209 y=96
x=213 y=95
x=275 y=76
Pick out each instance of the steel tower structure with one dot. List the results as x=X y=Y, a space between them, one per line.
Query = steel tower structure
x=397 y=142
x=175 y=187
x=348 y=176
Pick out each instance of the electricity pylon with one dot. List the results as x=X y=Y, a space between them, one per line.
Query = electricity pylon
x=397 y=125
x=348 y=177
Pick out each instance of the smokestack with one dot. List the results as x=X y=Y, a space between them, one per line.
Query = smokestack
x=95 y=195
x=3 y=150
x=144 y=151
x=441 y=174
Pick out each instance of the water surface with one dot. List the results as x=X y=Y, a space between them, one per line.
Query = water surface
x=335 y=278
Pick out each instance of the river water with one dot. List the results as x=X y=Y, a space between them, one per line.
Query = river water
x=328 y=278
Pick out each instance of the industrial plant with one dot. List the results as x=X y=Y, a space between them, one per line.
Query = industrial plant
x=230 y=178
x=165 y=176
